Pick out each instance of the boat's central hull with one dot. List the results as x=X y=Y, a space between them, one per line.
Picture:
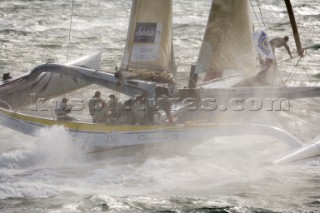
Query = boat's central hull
x=101 y=136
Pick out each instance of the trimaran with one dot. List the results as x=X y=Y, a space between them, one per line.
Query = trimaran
x=148 y=65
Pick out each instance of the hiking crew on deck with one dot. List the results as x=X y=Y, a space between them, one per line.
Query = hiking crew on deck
x=97 y=108
x=62 y=110
x=278 y=42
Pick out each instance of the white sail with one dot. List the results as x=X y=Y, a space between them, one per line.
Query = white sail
x=148 y=51
x=228 y=43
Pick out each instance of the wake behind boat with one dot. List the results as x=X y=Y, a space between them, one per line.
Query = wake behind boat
x=148 y=73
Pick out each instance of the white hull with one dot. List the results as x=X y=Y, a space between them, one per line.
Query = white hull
x=302 y=153
x=97 y=137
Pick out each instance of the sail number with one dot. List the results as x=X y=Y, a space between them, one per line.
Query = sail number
x=157 y=137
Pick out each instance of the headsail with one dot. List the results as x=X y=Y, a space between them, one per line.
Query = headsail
x=228 y=43
x=148 y=52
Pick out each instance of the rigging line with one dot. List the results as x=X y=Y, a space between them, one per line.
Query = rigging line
x=308 y=76
x=255 y=14
x=264 y=24
x=69 y=38
x=276 y=70
x=295 y=66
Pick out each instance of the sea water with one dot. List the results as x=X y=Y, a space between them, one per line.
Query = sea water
x=49 y=172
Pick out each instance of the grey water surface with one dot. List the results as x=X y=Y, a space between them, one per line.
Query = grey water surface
x=49 y=173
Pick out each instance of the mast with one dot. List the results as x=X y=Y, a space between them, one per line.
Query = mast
x=294 y=28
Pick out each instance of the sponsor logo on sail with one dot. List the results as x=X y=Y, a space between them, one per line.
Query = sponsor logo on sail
x=145 y=32
x=262 y=44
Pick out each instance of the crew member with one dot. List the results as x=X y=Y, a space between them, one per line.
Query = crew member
x=62 y=110
x=163 y=102
x=114 y=107
x=97 y=108
x=119 y=76
x=280 y=42
x=149 y=109
x=140 y=109
x=128 y=114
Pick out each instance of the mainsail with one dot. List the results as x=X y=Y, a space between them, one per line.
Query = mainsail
x=149 y=52
x=228 y=43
